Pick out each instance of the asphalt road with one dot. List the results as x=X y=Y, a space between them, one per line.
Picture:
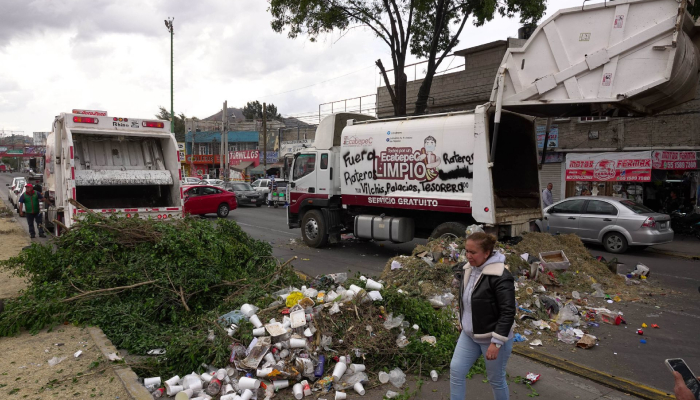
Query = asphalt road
x=620 y=352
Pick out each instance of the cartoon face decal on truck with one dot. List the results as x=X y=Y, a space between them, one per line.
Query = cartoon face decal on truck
x=431 y=160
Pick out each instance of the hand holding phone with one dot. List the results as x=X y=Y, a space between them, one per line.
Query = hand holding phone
x=687 y=386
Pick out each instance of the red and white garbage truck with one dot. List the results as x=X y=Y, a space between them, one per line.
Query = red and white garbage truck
x=426 y=176
x=111 y=164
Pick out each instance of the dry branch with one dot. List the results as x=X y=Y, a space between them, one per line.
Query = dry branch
x=99 y=291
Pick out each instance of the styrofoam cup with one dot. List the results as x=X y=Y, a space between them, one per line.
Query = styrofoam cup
x=172 y=390
x=262 y=373
x=221 y=374
x=228 y=389
x=196 y=385
x=255 y=321
x=152 y=381
x=298 y=391
x=434 y=375
x=269 y=357
x=295 y=343
x=259 y=332
x=340 y=395
x=357 y=367
x=174 y=380
x=390 y=394
x=247 y=394
x=247 y=310
x=280 y=384
x=339 y=370
x=248 y=383
x=184 y=395
x=206 y=377
x=383 y=377
x=307 y=332
x=359 y=388
x=373 y=285
x=230 y=396
x=356 y=289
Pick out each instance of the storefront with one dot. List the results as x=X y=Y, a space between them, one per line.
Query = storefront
x=659 y=179
x=203 y=164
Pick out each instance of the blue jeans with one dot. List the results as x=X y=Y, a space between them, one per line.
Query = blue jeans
x=30 y=221
x=465 y=355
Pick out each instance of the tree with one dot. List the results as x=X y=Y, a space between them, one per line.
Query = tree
x=164 y=114
x=390 y=20
x=439 y=23
x=254 y=110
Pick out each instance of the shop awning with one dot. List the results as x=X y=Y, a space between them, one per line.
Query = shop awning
x=242 y=166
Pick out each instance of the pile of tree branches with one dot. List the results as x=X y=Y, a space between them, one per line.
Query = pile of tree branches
x=147 y=284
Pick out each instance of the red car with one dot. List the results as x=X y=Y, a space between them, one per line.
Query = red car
x=204 y=199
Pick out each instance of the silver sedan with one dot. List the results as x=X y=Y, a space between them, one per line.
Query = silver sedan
x=611 y=221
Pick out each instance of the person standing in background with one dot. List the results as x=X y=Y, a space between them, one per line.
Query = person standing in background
x=29 y=201
x=547 y=199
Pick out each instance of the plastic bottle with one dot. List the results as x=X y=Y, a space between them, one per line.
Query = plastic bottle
x=214 y=387
x=158 y=393
x=318 y=372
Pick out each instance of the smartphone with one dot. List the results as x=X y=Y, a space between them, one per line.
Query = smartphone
x=691 y=381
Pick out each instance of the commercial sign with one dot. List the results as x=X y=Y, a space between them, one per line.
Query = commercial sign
x=238 y=157
x=181 y=150
x=295 y=146
x=553 y=140
x=618 y=167
x=204 y=158
x=272 y=157
x=662 y=159
x=15 y=151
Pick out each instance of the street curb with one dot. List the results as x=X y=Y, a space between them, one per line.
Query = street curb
x=603 y=378
x=675 y=254
x=123 y=371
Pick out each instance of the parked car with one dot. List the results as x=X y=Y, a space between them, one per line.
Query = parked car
x=205 y=199
x=14 y=189
x=213 y=182
x=245 y=194
x=613 y=222
x=191 y=180
x=261 y=185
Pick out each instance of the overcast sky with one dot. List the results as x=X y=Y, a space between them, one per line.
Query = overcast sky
x=56 y=55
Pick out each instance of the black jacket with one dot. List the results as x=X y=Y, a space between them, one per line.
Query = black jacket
x=493 y=300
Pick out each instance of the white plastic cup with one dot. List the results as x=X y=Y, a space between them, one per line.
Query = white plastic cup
x=295 y=343
x=221 y=374
x=357 y=367
x=363 y=278
x=339 y=370
x=340 y=395
x=232 y=329
x=434 y=375
x=231 y=396
x=247 y=394
x=255 y=321
x=184 y=395
x=196 y=385
x=258 y=331
x=298 y=391
x=206 y=377
x=172 y=390
x=373 y=285
x=383 y=377
x=247 y=310
x=390 y=394
x=174 y=380
x=152 y=381
x=269 y=357
x=248 y=383
x=262 y=373
x=356 y=289
x=228 y=389
x=278 y=385
x=359 y=388
x=307 y=332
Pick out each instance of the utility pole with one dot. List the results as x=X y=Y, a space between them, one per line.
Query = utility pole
x=264 y=128
x=224 y=140
x=169 y=25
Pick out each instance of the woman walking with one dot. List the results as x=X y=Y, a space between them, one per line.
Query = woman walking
x=487 y=315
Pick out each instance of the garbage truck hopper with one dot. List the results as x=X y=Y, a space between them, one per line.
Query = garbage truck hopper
x=637 y=56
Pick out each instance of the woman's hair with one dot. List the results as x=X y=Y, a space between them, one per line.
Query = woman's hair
x=485 y=241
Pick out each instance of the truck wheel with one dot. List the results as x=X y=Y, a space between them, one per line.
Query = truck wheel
x=615 y=242
x=313 y=229
x=455 y=229
x=222 y=212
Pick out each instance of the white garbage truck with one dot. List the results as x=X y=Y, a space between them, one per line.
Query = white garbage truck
x=109 y=164
x=426 y=176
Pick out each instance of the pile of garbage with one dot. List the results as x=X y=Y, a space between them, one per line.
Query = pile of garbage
x=318 y=339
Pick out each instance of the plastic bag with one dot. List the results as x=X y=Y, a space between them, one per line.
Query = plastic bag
x=401 y=341
x=233 y=317
x=396 y=265
x=339 y=277
x=392 y=322
x=598 y=290
x=444 y=300
x=335 y=309
x=352 y=379
x=568 y=313
x=397 y=377
x=293 y=298
x=471 y=229
x=567 y=336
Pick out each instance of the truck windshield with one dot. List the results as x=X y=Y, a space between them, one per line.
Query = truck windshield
x=304 y=165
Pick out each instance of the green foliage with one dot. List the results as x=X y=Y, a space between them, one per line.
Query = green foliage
x=254 y=110
x=202 y=262
x=164 y=114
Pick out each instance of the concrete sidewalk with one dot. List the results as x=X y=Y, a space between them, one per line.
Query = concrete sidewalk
x=682 y=246
x=553 y=384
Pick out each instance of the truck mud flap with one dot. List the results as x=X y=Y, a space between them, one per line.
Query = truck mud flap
x=333 y=221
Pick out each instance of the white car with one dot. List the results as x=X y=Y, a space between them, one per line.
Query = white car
x=15 y=189
x=190 y=180
x=213 y=182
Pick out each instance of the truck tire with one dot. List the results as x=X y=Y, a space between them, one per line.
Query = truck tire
x=615 y=242
x=313 y=229
x=222 y=211
x=456 y=229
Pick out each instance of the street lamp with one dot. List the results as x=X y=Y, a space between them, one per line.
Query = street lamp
x=169 y=25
